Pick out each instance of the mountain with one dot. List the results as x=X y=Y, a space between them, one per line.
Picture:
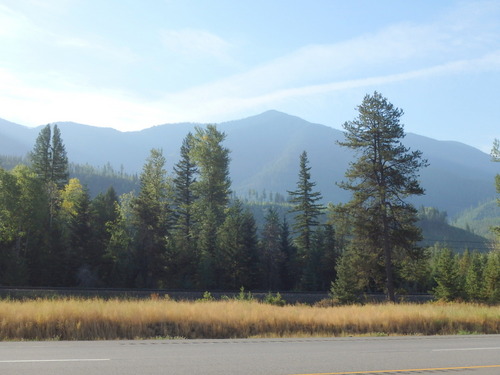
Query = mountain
x=480 y=219
x=265 y=152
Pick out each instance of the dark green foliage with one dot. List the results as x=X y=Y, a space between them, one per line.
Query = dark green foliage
x=183 y=254
x=272 y=258
x=304 y=201
x=152 y=219
x=290 y=269
x=184 y=196
x=491 y=280
x=236 y=256
x=83 y=257
x=346 y=289
x=473 y=287
x=212 y=189
x=187 y=232
x=48 y=157
x=383 y=176
x=447 y=276
x=119 y=259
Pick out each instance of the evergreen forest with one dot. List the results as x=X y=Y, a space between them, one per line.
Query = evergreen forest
x=185 y=228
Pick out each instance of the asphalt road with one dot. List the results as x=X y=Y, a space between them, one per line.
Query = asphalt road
x=471 y=355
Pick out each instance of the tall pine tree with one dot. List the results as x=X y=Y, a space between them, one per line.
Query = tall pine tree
x=384 y=175
x=212 y=189
x=152 y=217
x=307 y=210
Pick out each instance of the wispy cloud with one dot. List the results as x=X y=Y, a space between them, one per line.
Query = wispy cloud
x=463 y=41
x=196 y=44
x=212 y=106
x=397 y=53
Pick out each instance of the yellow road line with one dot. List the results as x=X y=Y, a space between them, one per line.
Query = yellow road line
x=406 y=370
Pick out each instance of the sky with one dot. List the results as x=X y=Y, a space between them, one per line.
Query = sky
x=133 y=64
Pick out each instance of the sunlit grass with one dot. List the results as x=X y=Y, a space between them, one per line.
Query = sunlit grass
x=96 y=319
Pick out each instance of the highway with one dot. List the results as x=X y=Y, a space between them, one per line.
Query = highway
x=462 y=355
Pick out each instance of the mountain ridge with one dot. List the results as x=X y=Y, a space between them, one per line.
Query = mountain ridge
x=265 y=150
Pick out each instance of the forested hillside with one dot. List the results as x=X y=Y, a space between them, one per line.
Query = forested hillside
x=264 y=154
x=184 y=226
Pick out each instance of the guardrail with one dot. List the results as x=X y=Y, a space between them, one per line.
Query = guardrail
x=19 y=293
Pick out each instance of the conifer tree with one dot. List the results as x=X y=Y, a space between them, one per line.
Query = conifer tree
x=491 y=284
x=183 y=255
x=212 y=189
x=271 y=254
x=50 y=163
x=381 y=179
x=49 y=159
x=236 y=253
x=447 y=276
x=474 y=278
x=305 y=204
x=346 y=288
x=289 y=271
x=119 y=258
x=184 y=197
x=84 y=256
x=152 y=216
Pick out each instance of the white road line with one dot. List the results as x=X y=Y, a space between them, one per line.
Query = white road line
x=55 y=360
x=465 y=349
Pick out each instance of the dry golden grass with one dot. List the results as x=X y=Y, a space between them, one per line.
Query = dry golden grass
x=96 y=319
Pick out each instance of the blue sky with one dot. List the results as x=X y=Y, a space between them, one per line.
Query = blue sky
x=135 y=64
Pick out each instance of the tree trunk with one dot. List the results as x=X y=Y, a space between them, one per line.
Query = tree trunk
x=389 y=277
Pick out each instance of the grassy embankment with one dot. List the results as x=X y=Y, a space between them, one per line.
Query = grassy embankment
x=96 y=319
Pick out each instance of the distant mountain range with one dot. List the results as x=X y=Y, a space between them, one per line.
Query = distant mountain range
x=265 y=152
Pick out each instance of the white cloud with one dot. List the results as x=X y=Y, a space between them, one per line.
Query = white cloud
x=14 y=25
x=209 y=103
x=197 y=44
x=397 y=53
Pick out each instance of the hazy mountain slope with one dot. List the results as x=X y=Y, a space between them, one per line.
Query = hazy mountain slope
x=480 y=219
x=265 y=152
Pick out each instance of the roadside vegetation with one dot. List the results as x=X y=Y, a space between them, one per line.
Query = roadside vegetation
x=240 y=317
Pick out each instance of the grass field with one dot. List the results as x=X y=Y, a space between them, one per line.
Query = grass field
x=99 y=319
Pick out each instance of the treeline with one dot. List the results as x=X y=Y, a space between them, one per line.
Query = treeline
x=185 y=229
x=182 y=230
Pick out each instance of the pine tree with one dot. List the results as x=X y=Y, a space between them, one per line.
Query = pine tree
x=49 y=159
x=474 y=278
x=491 y=284
x=236 y=252
x=152 y=216
x=304 y=201
x=84 y=256
x=183 y=255
x=381 y=179
x=184 y=197
x=289 y=271
x=212 y=190
x=41 y=156
x=59 y=160
x=50 y=163
x=119 y=259
x=345 y=289
x=447 y=276
x=271 y=255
